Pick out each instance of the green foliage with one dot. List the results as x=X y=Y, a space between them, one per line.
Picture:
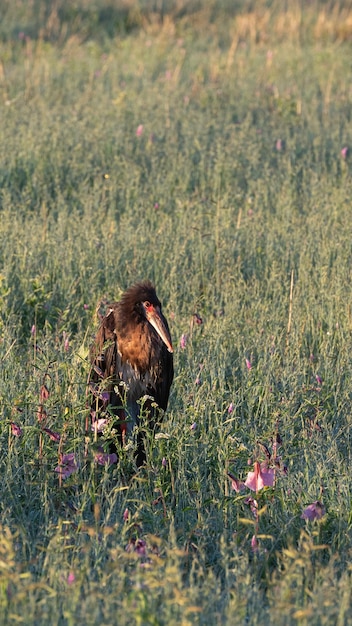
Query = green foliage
x=205 y=146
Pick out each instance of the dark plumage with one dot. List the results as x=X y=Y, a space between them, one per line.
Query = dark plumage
x=131 y=357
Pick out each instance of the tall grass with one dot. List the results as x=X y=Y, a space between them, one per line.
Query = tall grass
x=206 y=147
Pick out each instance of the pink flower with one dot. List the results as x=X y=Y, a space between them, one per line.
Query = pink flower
x=67 y=465
x=260 y=478
x=253 y=505
x=71 y=578
x=194 y=426
x=345 y=152
x=236 y=484
x=230 y=408
x=126 y=515
x=86 y=307
x=254 y=544
x=183 y=341
x=318 y=379
x=99 y=425
x=139 y=130
x=313 y=511
x=280 y=145
x=164 y=462
x=33 y=330
x=16 y=430
x=248 y=364
x=156 y=205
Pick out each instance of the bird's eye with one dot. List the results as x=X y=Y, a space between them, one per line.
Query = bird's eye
x=147 y=305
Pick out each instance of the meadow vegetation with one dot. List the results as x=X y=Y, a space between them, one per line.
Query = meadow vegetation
x=204 y=145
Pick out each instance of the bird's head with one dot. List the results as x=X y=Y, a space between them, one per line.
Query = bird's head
x=143 y=300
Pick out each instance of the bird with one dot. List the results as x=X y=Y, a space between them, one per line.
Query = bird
x=131 y=366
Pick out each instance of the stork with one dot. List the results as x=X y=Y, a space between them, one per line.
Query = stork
x=131 y=357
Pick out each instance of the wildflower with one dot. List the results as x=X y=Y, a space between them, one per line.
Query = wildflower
x=253 y=505
x=156 y=205
x=318 y=379
x=230 y=408
x=345 y=152
x=313 y=511
x=280 y=145
x=126 y=515
x=254 y=544
x=137 y=545
x=197 y=319
x=41 y=414
x=99 y=425
x=33 y=330
x=198 y=381
x=183 y=341
x=248 y=364
x=71 y=578
x=164 y=462
x=194 y=426
x=86 y=307
x=67 y=465
x=44 y=393
x=53 y=436
x=139 y=130
x=66 y=341
x=104 y=458
x=260 y=478
x=16 y=430
x=236 y=484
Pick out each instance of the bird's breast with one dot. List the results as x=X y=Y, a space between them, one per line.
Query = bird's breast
x=137 y=383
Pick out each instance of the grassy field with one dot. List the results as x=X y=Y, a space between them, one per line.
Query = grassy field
x=205 y=146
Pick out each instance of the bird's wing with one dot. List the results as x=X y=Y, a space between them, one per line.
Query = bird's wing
x=164 y=379
x=104 y=350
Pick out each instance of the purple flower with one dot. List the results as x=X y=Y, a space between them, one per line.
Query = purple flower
x=67 y=465
x=53 y=436
x=318 y=379
x=313 y=511
x=164 y=462
x=103 y=458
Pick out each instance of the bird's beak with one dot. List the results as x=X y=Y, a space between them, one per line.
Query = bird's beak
x=156 y=319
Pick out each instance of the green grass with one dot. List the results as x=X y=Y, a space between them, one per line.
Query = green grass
x=234 y=195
